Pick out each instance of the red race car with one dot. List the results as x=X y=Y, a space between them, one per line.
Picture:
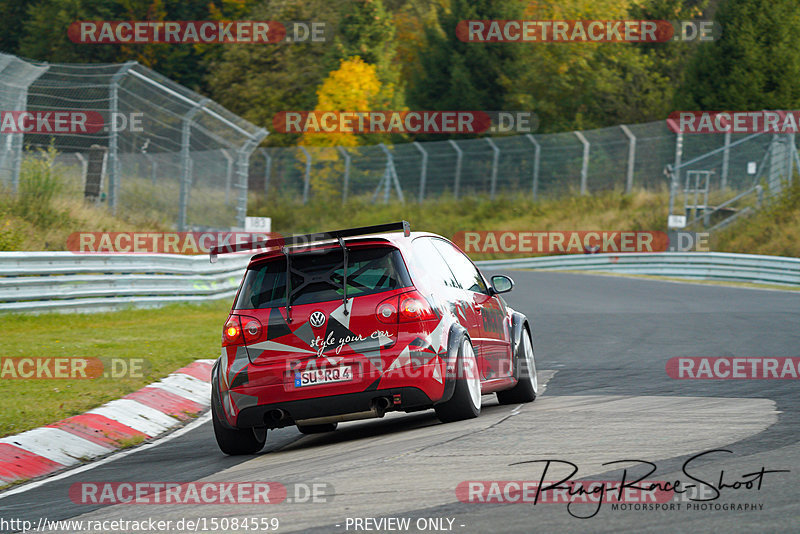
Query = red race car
x=346 y=325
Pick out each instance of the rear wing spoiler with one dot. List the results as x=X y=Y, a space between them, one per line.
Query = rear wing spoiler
x=309 y=239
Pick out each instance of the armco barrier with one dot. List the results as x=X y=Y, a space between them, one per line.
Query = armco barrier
x=689 y=265
x=45 y=281
x=62 y=281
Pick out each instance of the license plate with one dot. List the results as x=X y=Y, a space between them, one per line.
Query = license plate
x=317 y=377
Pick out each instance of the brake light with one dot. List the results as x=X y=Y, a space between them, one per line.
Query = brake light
x=235 y=334
x=232 y=332
x=413 y=307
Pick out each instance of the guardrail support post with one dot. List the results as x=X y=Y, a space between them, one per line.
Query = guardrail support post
x=537 y=152
x=495 y=162
x=585 y=162
x=631 y=157
x=423 y=171
x=459 y=157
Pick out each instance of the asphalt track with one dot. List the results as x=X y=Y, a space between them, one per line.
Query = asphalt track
x=604 y=342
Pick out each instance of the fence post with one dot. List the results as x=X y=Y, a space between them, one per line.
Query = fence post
x=537 y=152
x=726 y=154
x=495 y=162
x=228 y=175
x=186 y=163
x=346 y=183
x=267 y=168
x=459 y=156
x=84 y=164
x=113 y=137
x=585 y=163
x=631 y=157
x=678 y=154
x=242 y=171
x=307 y=177
x=790 y=138
x=423 y=172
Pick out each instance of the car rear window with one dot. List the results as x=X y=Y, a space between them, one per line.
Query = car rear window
x=318 y=276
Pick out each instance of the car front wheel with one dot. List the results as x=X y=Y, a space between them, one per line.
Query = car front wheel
x=528 y=384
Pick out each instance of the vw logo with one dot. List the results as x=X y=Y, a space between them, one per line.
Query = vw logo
x=317 y=319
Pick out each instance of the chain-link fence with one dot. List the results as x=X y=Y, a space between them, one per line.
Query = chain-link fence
x=155 y=147
x=621 y=157
x=714 y=185
x=188 y=160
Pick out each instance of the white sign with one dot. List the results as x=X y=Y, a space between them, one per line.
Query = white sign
x=752 y=167
x=676 y=221
x=257 y=224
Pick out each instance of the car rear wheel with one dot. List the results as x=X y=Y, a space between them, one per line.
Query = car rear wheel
x=528 y=385
x=466 y=400
x=234 y=441
x=317 y=429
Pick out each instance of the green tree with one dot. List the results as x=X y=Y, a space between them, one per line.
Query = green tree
x=754 y=65
x=456 y=75
x=46 y=38
x=259 y=81
x=14 y=16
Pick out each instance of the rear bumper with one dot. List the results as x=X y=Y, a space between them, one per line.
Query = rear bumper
x=411 y=399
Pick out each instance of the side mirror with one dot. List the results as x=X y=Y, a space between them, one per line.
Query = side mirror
x=502 y=283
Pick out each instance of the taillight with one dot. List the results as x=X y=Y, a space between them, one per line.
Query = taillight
x=413 y=307
x=232 y=332
x=240 y=329
x=251 y=328
x=387 y=311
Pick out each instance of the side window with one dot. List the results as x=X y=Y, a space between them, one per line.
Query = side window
x=429 y=264
x=465 y=272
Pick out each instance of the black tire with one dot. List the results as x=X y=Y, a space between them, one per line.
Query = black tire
x=528 y=385
x=233 y=441
x=317 y=429
x=462 y=404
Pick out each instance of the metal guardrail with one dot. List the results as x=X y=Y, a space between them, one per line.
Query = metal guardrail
x=689 y=265
x=47 y=281
x=64 y=281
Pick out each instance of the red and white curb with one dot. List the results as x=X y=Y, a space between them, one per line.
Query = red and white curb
x=143 y=414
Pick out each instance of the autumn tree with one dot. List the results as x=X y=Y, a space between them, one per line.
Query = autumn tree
x=354 y=86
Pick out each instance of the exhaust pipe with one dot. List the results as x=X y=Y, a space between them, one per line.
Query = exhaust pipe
x=381 y=405
x=378 y=408
x=277 y=415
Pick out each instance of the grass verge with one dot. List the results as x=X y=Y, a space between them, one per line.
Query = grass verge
x=166 y=338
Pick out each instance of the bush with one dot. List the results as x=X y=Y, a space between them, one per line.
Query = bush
x=39 y=184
